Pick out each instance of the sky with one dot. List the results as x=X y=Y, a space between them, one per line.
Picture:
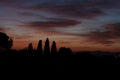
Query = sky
x=88 y=25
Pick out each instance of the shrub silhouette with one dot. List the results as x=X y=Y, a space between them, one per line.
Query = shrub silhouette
x=63 y=51
x=5 y=41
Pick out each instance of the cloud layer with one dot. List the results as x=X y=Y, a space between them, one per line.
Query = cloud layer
x=52 y=23
x=107 y=37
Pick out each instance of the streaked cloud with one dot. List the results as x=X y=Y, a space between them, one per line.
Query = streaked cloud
x=107 y=37
x=51 y=23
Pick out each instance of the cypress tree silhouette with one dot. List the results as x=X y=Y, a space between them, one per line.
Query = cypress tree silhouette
x=5 y=41
x=53 y=48
x=47 y=47
x=39 y=47
x=30 y=49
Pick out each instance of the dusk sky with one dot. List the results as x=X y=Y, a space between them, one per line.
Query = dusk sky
x=78 y=24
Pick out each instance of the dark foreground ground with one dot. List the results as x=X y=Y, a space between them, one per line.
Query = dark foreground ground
x=60 y=63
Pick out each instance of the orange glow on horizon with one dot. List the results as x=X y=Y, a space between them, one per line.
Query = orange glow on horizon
x=86 y=47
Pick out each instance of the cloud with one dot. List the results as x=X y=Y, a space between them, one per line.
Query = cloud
x=55 y=3
x=1 y=29
x=72 y=10
x=112 y=31
x=27 y=14
x=69 y=8
x=51 y=23
x=107 y=37
x=85 y=9
x=76 y=11
x=14 y=3
x=8 y=3
x=31 y=14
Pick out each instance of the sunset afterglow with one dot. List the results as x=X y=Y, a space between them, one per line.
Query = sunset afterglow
x=88 y=25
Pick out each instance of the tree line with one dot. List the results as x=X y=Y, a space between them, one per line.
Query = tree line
x=6 y=43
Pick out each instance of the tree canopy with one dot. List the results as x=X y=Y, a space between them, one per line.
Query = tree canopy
x=5 y=41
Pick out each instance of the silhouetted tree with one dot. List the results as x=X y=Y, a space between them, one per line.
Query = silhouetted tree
x=39 y=47
x=53 y=48
x=5 y=41
x=65 y=51
x=69 y=51
x=47 y=47
x=30 y=49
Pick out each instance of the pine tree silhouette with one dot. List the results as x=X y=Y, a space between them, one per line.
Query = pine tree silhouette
x=47 y=47
x=39 y=47
x=53 y=48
